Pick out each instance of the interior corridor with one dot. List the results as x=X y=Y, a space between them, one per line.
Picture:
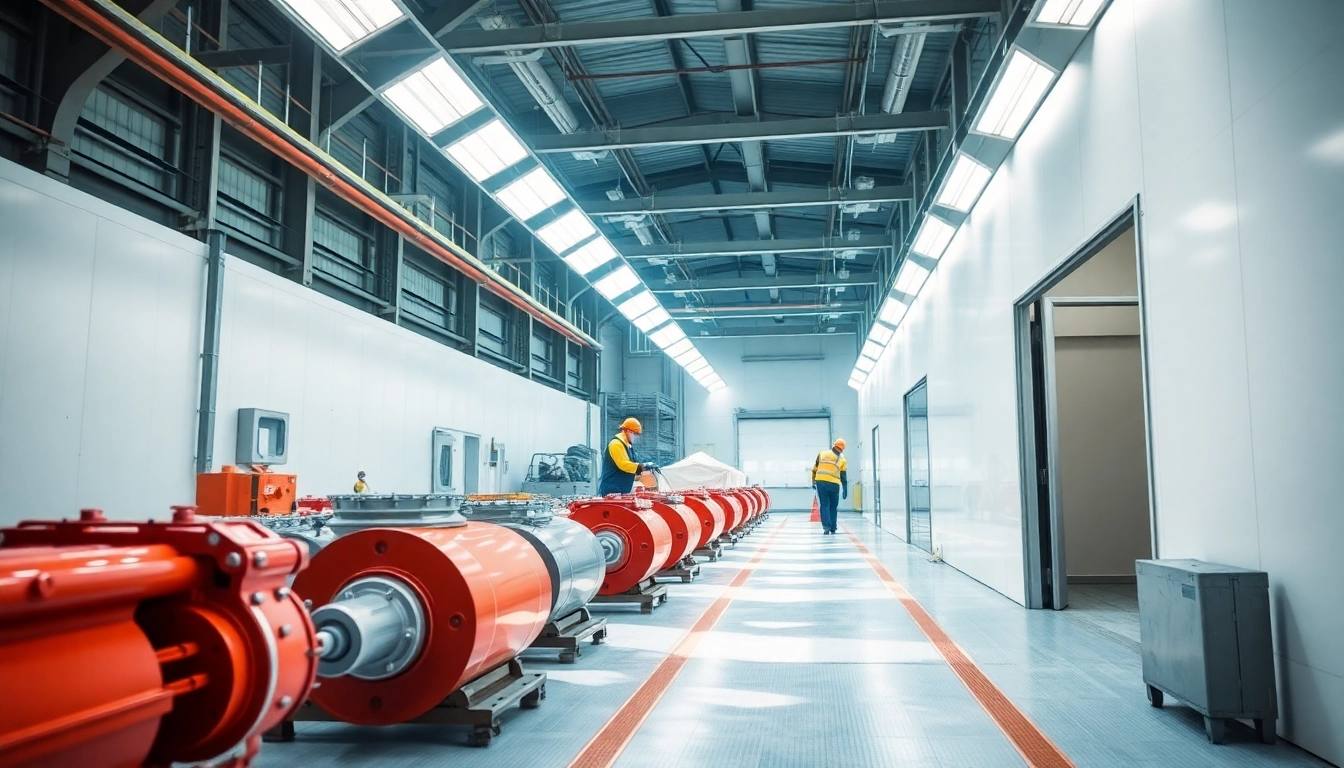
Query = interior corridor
x=796 y=649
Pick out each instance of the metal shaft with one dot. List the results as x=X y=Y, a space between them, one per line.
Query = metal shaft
x=374 y=629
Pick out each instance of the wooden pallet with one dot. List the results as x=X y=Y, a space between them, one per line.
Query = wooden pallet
x=568 y=632
x=648 y=594
x=477 y=704
x=686 y=571
x=712 y=551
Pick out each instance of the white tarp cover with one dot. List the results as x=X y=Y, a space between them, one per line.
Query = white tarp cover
x=700 y=470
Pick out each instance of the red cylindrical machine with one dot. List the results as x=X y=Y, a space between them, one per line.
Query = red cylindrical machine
x=736 y=513
x=634 y=538
x=763 y=496
x=123 y=644
x=408 y=615
x=713 y=519
x=681 y=520
x=750 y=501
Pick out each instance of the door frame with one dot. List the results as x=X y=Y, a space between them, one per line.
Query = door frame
x=877 y=476
x=1053 y=593
x=905 y=430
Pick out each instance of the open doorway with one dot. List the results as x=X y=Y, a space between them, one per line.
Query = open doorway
x=1082 y=385
x=918 y=495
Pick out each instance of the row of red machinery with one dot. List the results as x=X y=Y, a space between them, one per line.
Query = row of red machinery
x=139 y=643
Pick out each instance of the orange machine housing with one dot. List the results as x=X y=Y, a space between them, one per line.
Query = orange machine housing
x=645 y=541
x=126 y=644
x=681 y=521
x=233 y=492
x=734 y=509
x=485 y=593
x=713 y=518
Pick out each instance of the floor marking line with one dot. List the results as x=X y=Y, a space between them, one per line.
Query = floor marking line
x=610 y=742
x=1034 y=746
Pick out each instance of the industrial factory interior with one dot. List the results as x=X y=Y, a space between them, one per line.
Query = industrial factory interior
x=741 y=383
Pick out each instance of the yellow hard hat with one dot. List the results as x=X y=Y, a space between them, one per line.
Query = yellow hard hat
x=632 y=425
x=839 y=443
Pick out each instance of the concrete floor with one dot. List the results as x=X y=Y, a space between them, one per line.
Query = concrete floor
x=815 y=662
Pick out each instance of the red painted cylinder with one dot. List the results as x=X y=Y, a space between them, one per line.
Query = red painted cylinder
x=749 y=500
x=736 y=512
x=713 y=519
x=485 y=593
x=765 y=497
x=681 y=520
x=636 y=540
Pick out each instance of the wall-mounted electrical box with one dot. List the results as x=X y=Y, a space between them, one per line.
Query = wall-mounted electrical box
x=263 y=437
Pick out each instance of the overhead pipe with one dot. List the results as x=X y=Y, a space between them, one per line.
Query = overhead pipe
x=115 y=27
x=904 y=59
x=535 y=79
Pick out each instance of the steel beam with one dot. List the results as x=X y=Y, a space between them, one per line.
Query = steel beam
x=781 y=172
x=794 y=198
x=715 y=24
x=845 y=329
x=244 y=57
x=754 y=247
x=770 y=310
x=732 y=128
x=774 y=283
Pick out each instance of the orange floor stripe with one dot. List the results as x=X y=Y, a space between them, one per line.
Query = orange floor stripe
x=615 y=736
x=1035 y=747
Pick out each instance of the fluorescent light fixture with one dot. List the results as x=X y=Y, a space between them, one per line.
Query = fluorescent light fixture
x=865 y=364
x=685 y=361
x=487 y=150
x=679 y=348
x=1068 y=13
x=617 y=282
x=591 y=256
x=666 y=337
x=567 y=231
x=711 y=380
x=856 y=384
x=533 y=193
x=892 y=311
x=967 y=179
x=911 y=278
x=704 y=375
x=881 y=334
x=433 y=97
x=933 y=238
x=871 y=349
x=1017 y=94
x=716 y=386
x=653 y=319
x=637 y=305
x=342 y=23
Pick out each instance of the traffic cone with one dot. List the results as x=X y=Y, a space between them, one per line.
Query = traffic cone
x=816 y=512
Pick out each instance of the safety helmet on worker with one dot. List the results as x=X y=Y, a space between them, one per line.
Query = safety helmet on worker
x=632 y=425
x=360 y=475
x=839 y=444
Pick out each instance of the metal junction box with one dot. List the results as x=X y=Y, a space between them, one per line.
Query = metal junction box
x=1206 y=641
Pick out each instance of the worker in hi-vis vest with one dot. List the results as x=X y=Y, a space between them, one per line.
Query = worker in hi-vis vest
x=619 y=467
x=830 y=476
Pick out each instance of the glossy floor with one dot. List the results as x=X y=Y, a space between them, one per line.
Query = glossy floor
x=814 y=662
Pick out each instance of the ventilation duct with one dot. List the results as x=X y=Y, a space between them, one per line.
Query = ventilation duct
x=904 y=61
x=537 y=82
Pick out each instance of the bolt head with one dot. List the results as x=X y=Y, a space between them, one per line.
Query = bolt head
x=390 y=666
x=347 y=595
x=282 y=593
x=285 y=630
x=308 y=605
x=284 y=702
x=233 y=560
x=259 y=559
x=258 y=598
x=212 y=539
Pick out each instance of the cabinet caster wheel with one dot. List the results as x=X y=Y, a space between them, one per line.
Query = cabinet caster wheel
x=1154 y=697
x=480 y=737
x=1215 y=729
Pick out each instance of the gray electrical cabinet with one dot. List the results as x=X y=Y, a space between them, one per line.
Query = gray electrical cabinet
x=1206 y=641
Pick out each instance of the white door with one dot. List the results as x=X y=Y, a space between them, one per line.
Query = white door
x=779 y=453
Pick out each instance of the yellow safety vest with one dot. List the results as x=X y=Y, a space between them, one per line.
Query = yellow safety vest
x=828 y=468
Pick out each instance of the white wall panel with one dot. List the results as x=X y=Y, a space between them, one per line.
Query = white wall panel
x=101 y=340
x=365 y=394
x=794 y=385
x=1227 y=120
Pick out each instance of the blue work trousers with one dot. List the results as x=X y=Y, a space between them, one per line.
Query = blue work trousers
x=828 y=500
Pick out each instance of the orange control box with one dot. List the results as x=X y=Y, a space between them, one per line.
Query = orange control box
x=235 y=492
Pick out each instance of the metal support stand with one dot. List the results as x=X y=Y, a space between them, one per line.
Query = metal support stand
x=686 y=570
x=568 y=632
x=711 y=551
x=730 y=539
x=477 y=704
x=648 y=594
